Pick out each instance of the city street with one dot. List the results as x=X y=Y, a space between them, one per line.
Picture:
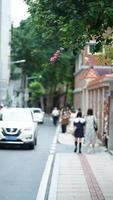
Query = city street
x=56 y=100
x=21 y=169
x=38 y=174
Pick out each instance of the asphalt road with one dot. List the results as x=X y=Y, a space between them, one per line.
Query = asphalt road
x=21 y=170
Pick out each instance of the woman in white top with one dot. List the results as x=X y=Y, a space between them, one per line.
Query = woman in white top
x=55 y=115
x=90 y=132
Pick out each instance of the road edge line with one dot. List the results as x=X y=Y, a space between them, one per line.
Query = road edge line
x=44 y=181
x=43 y=185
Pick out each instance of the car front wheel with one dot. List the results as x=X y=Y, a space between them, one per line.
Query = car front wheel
x=32 y=145
x=35 y=141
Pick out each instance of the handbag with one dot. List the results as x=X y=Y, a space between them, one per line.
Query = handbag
x=72 y=129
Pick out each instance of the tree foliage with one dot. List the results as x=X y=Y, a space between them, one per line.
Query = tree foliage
x=29 y=44
x=36 y=91
x=54 y=24
x=75 y=22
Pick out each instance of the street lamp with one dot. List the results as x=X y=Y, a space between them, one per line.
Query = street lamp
x=18 y=61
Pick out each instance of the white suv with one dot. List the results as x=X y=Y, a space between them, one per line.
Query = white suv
x=38 y=115
x=18 y=127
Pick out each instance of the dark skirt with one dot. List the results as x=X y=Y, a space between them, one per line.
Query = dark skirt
x=79 y=133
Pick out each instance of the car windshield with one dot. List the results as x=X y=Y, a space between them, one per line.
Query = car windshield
x=36 y=111
x=17 y=115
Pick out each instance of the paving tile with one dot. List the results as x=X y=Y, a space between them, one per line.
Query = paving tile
x=109 y=197
x=71 y=181
x=72 y=196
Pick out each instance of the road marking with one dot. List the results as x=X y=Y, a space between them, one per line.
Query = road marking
x=53 y=188
x=44 y=181
x=43 y=185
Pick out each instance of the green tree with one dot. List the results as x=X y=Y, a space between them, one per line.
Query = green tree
x=29 y=44
x=36 y=91
x=75 y=22
x=55 y=24
x=109 y=52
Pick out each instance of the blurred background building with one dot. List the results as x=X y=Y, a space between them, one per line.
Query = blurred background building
x=5 y=26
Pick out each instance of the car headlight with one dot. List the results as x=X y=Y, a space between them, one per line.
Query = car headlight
x=28 y=129
x=28 y=132
x=28 y=136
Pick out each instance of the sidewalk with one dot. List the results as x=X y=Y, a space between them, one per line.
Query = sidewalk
x=81 y=176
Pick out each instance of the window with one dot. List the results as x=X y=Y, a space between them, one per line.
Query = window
x=95 y=49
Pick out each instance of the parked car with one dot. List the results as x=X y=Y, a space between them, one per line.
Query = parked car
x=17 y=127
x=38 y=115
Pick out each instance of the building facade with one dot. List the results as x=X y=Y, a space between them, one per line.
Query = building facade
x=92 y=88
x=5 y=26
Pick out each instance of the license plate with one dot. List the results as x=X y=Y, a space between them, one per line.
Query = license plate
x=11 y=138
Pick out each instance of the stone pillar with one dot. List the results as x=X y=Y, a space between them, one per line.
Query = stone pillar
x=87 y=101
x=102 y=100
x=98 y=107
x=94 y=102
x=110 y=141
x=90 y=99
x=84 y=101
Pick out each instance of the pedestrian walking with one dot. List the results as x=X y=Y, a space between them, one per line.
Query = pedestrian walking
x=79 y=123
x=70 y=125
x=55 y=115
x=64 y=120
x=90 y=130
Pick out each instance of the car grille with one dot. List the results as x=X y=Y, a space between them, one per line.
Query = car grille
x=11 y=131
